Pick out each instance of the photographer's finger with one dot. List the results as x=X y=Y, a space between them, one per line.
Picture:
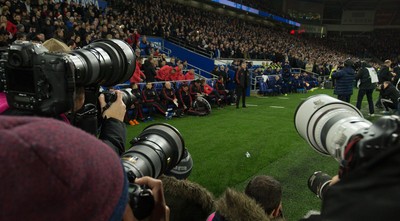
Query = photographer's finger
x=167 y=213
x=160 y=211
x=120 y=95
x=155 y=185
x=150 y=182
x=334 y=180
x=102 y=101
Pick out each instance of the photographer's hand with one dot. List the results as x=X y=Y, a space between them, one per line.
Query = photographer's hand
x=334 y=180
x=116 y=110
x=161 y=211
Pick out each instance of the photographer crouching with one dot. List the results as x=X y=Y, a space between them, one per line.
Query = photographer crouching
x=367 y=186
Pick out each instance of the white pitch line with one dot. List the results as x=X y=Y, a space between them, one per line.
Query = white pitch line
x=277 y=107
x=252 y=105
x=376 y=115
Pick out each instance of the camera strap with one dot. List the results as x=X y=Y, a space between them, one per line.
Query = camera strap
x=348 y=155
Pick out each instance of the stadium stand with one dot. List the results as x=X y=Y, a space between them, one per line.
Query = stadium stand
x=219 y=35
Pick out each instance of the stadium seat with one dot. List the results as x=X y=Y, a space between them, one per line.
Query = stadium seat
x=264 y=90
x=158 y=86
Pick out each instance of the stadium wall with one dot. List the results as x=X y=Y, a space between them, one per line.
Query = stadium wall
x=193 y=58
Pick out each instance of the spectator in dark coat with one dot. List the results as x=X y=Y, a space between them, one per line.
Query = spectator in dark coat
x=145 y=46
x=368 y=79
x=384 y=73
x=242 y=82
x=390 y=97
x=149 y=70
x=396 y=70
x=344 y=81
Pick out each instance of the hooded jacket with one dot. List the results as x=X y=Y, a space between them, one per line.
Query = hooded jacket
x=187 y=200
x=344 y=81
x=237 y=206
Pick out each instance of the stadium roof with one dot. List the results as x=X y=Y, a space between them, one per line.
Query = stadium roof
x=387 y=12
x=362 y=4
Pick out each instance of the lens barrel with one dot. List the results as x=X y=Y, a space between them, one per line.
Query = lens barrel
x=105 y=62
x=158 y=149
x=327 y=124
x=318 y=183
x=127 y=97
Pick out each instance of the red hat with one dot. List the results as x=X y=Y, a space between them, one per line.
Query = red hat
x=53 y=171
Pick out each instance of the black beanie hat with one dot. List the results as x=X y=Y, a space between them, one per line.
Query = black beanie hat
x=53 y=171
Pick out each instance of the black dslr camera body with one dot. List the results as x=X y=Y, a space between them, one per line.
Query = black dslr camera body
x=158 y=149
x=141 y=200
x=35 y=80
x=45 y=83
x=127 y=97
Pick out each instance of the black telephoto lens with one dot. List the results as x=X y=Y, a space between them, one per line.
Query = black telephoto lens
x=105 y=62
x=159 y=148
x=127 y=97
x=318 y=183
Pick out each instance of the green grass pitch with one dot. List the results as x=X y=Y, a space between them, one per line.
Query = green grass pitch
x=218 y=143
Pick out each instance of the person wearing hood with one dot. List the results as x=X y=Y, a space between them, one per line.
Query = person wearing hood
x=187 y=200
x=261 y=201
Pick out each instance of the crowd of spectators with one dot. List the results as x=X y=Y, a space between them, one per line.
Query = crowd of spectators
x=78 y=25
x=228 y=37
x=380 y=44
x=263 y=5
x=224 y=36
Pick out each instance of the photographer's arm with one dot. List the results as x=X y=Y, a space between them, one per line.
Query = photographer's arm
x=113 y=130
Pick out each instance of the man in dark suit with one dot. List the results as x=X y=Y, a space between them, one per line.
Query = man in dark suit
x=242 y=81
x=367 y=77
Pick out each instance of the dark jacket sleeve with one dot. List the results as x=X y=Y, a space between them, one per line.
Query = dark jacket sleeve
x=113 y=133
x=337 y=74
x=192 y=90
x=384 y=75
x=359 y=74
x=237 y=79
x=393 y=95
